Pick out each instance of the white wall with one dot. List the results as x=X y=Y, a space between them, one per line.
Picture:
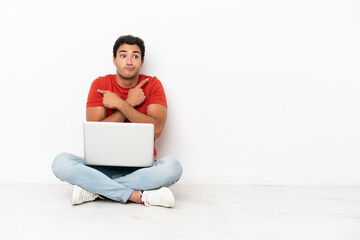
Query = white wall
x=259 y=92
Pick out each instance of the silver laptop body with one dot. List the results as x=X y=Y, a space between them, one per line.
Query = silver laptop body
x=119 y=144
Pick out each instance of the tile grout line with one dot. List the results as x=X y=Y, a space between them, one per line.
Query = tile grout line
x=222 y=211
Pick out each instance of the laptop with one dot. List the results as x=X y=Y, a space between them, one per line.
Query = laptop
x=119 y=144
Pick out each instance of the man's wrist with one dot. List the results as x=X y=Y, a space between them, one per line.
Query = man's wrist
x=128 y=102
x=123 y=104
x=119 y=105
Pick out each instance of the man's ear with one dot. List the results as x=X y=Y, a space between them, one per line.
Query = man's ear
x=114 y=60
x=142 y=62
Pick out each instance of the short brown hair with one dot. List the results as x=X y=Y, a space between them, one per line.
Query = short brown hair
x=131 y=40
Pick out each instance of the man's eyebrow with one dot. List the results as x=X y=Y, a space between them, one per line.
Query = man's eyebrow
x=126 y=51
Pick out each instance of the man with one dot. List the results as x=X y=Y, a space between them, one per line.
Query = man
x=126 y=96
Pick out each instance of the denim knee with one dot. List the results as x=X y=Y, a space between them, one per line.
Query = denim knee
x=60 y=165
x=173 y=169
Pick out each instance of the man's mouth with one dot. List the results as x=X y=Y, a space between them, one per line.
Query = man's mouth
x=130 y=68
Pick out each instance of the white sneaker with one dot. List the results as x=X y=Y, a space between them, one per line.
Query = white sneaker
x=80 y=196
x=160 y=197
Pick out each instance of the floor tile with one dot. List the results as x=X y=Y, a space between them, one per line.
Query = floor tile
x=261 y=212
x=201 y=212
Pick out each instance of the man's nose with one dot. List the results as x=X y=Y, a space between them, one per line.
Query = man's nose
x=129 y=61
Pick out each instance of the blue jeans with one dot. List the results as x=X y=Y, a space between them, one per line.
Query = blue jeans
x=116 y=183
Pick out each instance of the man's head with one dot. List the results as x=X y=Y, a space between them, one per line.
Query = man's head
x=130 y=40
x=128 y=56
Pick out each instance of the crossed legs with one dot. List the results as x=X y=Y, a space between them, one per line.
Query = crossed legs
x=116 y=183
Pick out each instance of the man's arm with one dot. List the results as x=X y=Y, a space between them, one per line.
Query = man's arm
x=156 y=113
x=135 y=97
x=99 y=114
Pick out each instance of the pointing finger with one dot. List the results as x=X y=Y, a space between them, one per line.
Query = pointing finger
x=142 y=83
x=102 y=91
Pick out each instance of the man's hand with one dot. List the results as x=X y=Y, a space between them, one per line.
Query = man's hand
x=110 y=99
x=136 y=95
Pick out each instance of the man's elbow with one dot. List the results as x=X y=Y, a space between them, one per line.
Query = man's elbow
x=157 y=134
x=157 y=131
x=95 y=114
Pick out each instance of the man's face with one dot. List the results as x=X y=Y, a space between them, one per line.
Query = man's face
x=128 y=61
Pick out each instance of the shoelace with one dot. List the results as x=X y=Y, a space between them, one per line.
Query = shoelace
x=86 y=195
x=153 y=200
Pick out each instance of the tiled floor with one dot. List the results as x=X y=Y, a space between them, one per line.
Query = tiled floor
x=41 y=211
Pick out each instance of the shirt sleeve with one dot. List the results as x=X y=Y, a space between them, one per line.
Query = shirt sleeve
x=157 y=95
x=95 y=99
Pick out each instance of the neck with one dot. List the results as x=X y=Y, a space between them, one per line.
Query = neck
x=127 y=82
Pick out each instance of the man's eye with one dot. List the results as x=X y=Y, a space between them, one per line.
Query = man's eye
x=135 y=56
x=122 y=56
